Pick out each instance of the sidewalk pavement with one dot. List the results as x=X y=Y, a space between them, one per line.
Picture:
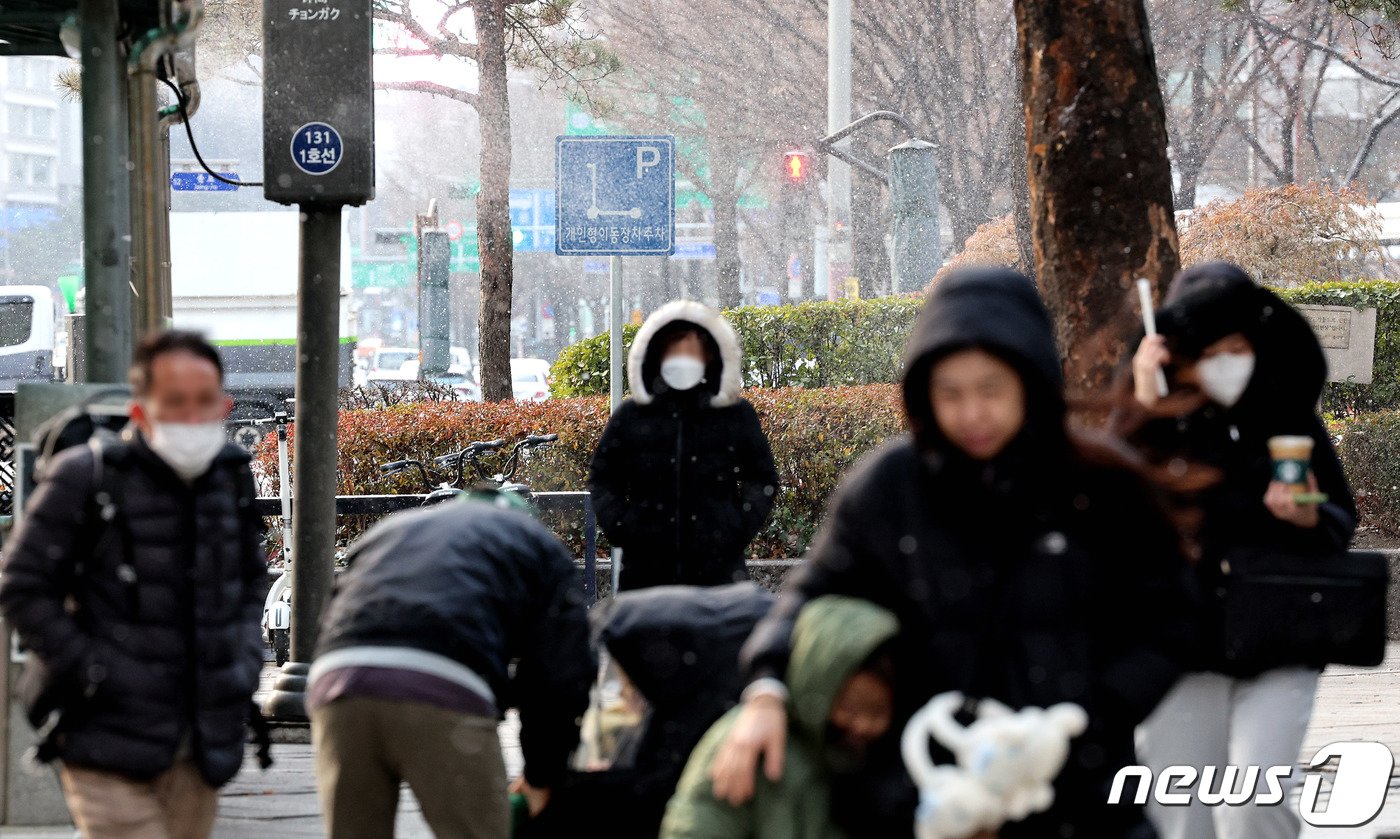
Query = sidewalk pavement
x=1351 y=705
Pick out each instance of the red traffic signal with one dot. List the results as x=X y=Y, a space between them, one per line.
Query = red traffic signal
x=795 y=166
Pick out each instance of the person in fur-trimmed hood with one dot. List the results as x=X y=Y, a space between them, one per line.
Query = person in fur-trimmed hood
x=683 y=478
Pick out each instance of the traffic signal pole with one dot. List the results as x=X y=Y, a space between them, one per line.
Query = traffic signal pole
x=912 y=176
x=838 y=174
x=794 y=206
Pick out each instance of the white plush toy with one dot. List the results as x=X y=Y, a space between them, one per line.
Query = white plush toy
x=953 y=804
x=1013 y=756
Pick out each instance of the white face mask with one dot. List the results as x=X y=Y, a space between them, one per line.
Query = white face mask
x=187 y=448
x=1224 y=377
x=682 y=372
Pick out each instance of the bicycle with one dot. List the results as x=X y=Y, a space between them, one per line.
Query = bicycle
x=453 y=485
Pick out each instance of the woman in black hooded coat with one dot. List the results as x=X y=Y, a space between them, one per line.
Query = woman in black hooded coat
x=1242 y=366
x=1033 y=569
x=683 y=477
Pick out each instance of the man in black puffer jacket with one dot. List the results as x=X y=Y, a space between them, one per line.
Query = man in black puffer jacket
x=683 y=478
x=135 y=577
x=445 y=618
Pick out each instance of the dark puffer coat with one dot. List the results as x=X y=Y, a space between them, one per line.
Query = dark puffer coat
x=166 y=650
x=490 y=588
x=1206 y=303
x=679 y=646
x=683 y=480
x=1045 y=575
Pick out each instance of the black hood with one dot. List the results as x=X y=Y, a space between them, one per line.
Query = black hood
x=724 y=376
x=1206 y=302
x=996 y=310
x=680 y=644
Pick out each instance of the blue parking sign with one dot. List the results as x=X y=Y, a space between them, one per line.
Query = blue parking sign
x=316 y=148
x=616 y=196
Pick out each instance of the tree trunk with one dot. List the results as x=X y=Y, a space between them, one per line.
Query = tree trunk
x=724 y=176
x=1100 y=181
x=1021 y=190
x=493 y=202
x=1189 y=171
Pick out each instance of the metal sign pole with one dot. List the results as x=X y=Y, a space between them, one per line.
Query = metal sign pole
x=318 y=153
x=106 y=196
x=615 y=330
x=615 y=197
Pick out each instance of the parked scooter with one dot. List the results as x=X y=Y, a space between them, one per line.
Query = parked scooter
x=277 y=606
x=277 y=625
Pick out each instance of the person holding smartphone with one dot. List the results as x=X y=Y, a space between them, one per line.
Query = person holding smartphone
x=1242 y=368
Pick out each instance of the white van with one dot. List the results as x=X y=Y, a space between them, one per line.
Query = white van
x=27 y=335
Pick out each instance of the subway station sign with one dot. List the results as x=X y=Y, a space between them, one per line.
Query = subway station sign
x=318 y=101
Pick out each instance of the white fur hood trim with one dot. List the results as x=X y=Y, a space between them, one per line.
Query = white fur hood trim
x=692 y=311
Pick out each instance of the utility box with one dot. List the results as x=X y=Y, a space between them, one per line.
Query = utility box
x=434 y=318
x=914 y=195
x=318 y=101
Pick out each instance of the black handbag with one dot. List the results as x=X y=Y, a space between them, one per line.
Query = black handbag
x=1284 y=609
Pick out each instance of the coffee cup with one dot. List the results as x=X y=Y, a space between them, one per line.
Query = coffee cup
x=1292 y=456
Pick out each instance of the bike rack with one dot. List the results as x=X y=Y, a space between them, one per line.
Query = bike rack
x=379 y=505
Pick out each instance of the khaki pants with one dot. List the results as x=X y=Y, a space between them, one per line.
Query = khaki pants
x=366 y=747
x=178 y=804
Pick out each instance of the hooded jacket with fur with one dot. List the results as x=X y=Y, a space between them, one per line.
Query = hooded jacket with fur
x=683 y=480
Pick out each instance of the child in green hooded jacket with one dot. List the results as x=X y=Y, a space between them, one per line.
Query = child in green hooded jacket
x=840 y=685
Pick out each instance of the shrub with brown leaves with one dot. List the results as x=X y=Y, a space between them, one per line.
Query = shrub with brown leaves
x=1289 y=235
x=816 y=435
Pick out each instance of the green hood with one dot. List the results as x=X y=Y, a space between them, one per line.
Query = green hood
x=833 y=636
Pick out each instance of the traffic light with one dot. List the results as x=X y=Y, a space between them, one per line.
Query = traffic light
x=795 y=167
x=794 y=216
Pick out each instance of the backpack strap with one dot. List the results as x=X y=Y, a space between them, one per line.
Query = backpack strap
x=107 y=475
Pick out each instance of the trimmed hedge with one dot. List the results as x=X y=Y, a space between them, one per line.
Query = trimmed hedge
x=1368 y=447
x=862 y=342
x=822 y=344
x=816 y=435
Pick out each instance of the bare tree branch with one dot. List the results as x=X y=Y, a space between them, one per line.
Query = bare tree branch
x=432 y=89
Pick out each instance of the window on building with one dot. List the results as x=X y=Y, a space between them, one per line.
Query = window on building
x=17 y=120
x=41 y=122
x=36 y=73
x=19 y=168
x=41 y=170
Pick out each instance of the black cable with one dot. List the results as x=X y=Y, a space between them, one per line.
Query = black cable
x=189 y=132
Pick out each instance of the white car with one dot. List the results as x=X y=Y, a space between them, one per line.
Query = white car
x=461 y=360
x=462 y=385
x=529 y=379
x=393 y=364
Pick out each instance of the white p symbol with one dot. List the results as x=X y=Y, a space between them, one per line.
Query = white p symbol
x=647 y=157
